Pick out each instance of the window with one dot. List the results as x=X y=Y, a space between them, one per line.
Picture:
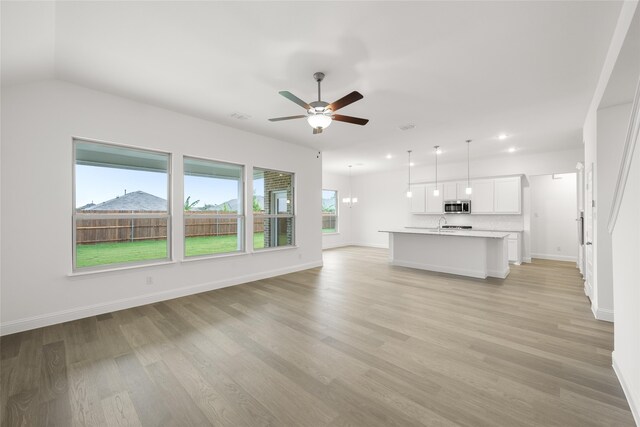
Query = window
x=121 y=205
x=273 y=209
x=213 y=207
x=329 y=211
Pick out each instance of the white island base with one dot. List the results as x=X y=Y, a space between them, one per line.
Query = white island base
x=472 y=254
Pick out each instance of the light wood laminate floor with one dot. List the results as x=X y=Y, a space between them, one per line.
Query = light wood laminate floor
x=357 y=342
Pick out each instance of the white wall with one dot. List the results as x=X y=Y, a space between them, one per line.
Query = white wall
x=554 y=232
x=340 y=183
x=382 y=200
x=626 y=274
x=604 y=141
x=39 y=121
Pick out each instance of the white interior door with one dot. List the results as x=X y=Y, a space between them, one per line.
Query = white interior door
x=588 y=238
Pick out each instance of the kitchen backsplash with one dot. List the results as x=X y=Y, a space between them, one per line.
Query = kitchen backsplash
x=480 y=222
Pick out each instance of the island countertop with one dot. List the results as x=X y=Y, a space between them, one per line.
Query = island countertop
x=449 y=232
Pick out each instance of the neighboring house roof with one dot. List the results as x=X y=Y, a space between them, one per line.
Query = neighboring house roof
x=87 y=206
x=134 y=201
x=233 y=204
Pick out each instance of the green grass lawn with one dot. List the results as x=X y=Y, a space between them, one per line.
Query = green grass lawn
x=328 y=230
x=144 y=250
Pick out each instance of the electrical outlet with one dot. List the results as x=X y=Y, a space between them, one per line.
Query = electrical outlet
x=149 y=280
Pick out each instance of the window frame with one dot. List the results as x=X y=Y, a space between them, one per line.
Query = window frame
x=242 y=220
x=75 y=215
x=292 y=215
x=337 y=220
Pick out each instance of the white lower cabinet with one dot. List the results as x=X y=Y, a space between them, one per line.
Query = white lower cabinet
x=513 y=246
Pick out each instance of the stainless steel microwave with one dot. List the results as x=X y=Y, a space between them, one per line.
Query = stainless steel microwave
x=457 y=206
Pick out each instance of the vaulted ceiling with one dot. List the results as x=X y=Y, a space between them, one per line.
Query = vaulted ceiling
x=455 y=70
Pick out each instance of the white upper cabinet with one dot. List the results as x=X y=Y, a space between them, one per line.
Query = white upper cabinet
x=506 y=196
x=489 y=196
x=434 y=203
x=482 y=196
x=450 y=190
x=418 y=202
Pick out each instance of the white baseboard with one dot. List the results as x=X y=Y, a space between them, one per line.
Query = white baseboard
x=601 y=313
x=553 y=257
x=632 y=399
x=42 y=320
x=371 y=245
x=587 y=289
x=527 y=259
x=335 y=245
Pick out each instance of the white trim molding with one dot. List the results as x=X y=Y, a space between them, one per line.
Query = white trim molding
x=632 y=399
x=633 y=133
x=553 y=257
x=47 y=319
x=603 y=314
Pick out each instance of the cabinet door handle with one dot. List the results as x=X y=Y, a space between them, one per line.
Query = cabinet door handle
x=589 y=243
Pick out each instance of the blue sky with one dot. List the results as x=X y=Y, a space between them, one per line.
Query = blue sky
x=97 y=184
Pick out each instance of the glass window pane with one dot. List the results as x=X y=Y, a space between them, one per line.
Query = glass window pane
x=120 y=240
x=272 y=192
x=111 y=179
x=213 y=186
x=206 y=235
x=213 y=191
x=329 y=211
x=272 y=232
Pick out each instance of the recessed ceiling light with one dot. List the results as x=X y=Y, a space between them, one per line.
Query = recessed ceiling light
x=503 y=136
x=512 y=149
x=388 y=156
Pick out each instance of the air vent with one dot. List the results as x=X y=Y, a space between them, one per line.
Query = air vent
x=240 y=116
x=408 y=126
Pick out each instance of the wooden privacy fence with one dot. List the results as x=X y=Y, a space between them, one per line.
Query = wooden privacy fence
x=133 y=229
x=328 y=221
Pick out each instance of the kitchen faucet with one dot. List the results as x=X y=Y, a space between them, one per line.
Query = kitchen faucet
x=440 y=219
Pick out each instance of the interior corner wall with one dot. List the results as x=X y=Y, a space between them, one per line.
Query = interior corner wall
x=339 y=183
x=382 y=202
x=39 y=121
x=611 y=131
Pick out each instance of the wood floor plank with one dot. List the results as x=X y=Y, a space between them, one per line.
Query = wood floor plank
x=357 y=342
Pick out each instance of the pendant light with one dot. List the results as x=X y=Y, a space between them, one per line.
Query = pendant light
x=409 y=193
x=436 y=192
x=468 y=190
x=350 y=200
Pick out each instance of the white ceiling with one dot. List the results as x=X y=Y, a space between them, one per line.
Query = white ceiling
x=456 y=70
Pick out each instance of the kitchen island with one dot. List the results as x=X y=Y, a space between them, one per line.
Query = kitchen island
x=478 y=254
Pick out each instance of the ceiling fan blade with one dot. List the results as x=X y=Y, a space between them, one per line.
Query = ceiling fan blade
x=277 y=119
x=345 y=100
x=317 y=131
x=292 y=97
x=349 y=119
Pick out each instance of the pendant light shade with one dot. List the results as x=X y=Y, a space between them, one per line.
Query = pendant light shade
x=436 y=192
x=350 y=200
x=409 y=193
x=468 y=190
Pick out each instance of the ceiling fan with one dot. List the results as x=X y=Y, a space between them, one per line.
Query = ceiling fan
x=320 y=114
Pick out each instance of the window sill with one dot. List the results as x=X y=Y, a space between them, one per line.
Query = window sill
x=213 y=256
x=331 y=234
x=115 y=269
x=277 y=248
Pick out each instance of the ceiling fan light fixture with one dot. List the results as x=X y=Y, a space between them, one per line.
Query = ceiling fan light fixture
x=319 y=118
